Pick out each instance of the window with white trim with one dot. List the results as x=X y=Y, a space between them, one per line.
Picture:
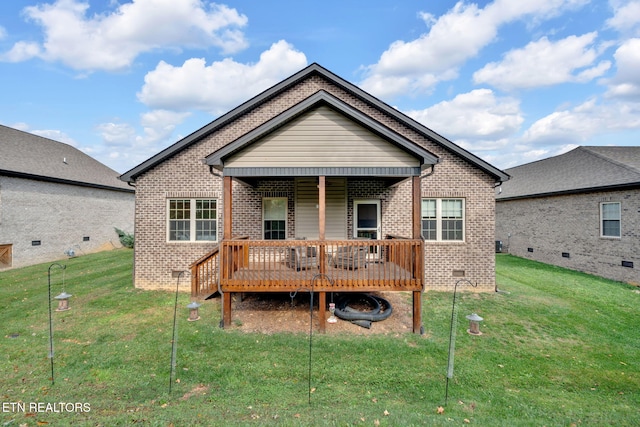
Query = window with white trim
x=443 y=220
x=610 y=219
x=192 y=220
x=274 y=218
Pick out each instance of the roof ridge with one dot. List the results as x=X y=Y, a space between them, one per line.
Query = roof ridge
x=588 y=150
x=541 y=160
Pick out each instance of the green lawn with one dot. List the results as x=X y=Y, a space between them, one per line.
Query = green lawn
x=559 y=348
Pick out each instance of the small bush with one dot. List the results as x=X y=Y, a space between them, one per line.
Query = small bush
x=126 y=239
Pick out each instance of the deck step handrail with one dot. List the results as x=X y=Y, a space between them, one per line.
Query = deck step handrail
x=205 y=272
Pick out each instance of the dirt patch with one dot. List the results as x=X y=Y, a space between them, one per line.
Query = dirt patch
x=196 y=391
x=278 y=312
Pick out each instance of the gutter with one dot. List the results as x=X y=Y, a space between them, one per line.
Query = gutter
x=14 y=174
x=629 y=186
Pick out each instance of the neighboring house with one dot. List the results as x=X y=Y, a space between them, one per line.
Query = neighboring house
x=579 y=210
x=55 y=199
x=332 y=189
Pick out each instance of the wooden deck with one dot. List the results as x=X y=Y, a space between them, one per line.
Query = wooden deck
x=240 y=265
x=375 y=276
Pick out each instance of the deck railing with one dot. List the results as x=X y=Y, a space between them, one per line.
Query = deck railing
x=324 y=265
x=204 y=274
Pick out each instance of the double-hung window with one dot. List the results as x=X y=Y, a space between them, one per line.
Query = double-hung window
x=274 y=218
x=443 y=219
x=192 y=220
x=610 y=219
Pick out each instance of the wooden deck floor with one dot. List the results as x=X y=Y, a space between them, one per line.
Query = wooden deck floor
x=278 y=277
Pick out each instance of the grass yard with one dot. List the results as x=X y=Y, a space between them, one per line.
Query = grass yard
x=559 y=348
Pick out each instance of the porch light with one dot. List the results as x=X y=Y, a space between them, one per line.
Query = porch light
x=63 y=301
x=332 y=310
x=193 y=311
x=474 y=324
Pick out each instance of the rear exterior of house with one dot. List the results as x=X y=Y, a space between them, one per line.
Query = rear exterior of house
x=308 y=171
x=56 y=200
x=579 y=210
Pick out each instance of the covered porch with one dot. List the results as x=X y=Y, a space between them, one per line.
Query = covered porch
x=322 y=144
x=242 y=265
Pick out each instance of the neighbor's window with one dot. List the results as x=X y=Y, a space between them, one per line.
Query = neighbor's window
x=192 y=220
x=610 y=219
x=443 y=219
x=274 y=218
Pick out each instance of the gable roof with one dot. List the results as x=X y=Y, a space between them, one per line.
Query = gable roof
x=583 y=169
x=313 y=69
x=322 y=97
x=29 y=156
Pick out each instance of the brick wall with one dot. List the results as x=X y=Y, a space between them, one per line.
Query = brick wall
x=60 y=217
x=156 y=259
x=544 y=228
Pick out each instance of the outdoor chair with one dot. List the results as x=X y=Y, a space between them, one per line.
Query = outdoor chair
x=351 y=257
x=302 y=257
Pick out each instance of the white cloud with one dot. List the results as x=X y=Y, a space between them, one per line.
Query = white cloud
x=625 y=16
x=452 y=39
x=112 y=41
x=626 y=83
x=584 y=122
x=124 y=145
x=117 y=134
x=21 y=51
x=477 y=116
x=545 y=63
x=218 y=87
x=122 y=141
x=159 y=125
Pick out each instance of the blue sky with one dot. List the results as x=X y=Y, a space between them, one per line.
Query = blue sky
x=511 y=81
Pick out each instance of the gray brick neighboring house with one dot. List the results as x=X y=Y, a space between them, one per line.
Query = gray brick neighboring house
x=278 y=146
x=579 y=210
x=54 y=198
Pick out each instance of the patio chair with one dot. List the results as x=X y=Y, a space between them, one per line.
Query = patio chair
x=351 y=257
x=300 y=257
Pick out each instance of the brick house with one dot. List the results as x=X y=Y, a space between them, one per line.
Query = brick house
x=579 y=210
x=325 y=182
x=54 y=198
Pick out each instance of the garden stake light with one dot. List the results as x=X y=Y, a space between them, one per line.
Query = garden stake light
x=63 y=267
x=452 y=335
x=174 y=336
x=474 y=324
x=193 y=312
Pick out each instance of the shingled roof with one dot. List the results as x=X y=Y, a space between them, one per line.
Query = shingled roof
x=583 y=169
x=313 y=69
x=30 y=156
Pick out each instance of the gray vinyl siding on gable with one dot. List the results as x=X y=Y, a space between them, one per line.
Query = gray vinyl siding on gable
x=322 y=138
x=307 y=208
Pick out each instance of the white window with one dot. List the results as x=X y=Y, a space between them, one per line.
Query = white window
x=191 y=220
x=610 y=219
x=443 y=219
x=274 y=218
